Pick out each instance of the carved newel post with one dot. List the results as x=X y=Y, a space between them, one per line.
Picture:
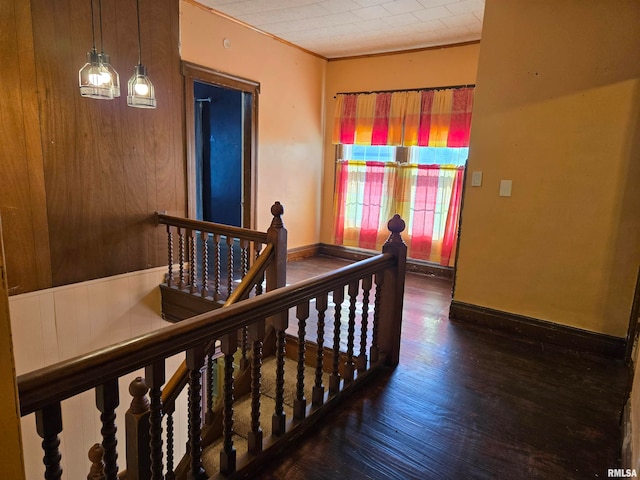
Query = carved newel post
x=97 y=465
x=277 y=235
x=276 y=278
x=387 y=337
x=137 y=432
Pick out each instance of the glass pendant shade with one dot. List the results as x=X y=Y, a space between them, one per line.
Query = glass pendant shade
x=95 y=81
x=97 y=78
x=140 y=89
x=109 y=74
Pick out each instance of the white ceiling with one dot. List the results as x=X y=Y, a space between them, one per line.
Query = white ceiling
x=342 y=28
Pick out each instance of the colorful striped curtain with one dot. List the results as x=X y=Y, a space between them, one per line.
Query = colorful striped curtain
x=425 y=118
x=427 y=197
x=364 y=200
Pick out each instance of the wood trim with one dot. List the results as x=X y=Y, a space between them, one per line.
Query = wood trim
x=307 y=251
x=632 y=332
x=178 y=305
x=211 y=227
x=413 y=265
x=11 y=443
x=539 y=330
x=311 y=353
x=251 y=89
x=409 y=50
x=217 y=77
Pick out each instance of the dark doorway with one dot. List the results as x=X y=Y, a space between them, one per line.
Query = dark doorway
x=218 y=138
x=221 y=131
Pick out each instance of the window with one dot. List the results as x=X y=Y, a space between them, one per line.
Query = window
x=439 y=156
x=368 y=153
x=402 y=152
x=412 y=155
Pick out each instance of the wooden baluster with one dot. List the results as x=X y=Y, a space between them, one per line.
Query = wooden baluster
x=107 y=400
x=334 y=379
x=279 y=420
x=244 y=348
x=318 y=388
x=349 y=365
x=138 y=451
x=244 y=266
x=155 y=378
x=169 y=410
x=362 y=356
x=300 y=402
x=48 y=426
x=230 y=266
x=216 y=267
x=375 y=350
x=244 y=256
x=170 y=254
x=96 y=472
x=195 y=361
x=258 y=248
x=204 y=236
x=193 y=262
x=228 y=346
x=256 y=334
x=259 y=288
x=181 y=282
x=210 y=375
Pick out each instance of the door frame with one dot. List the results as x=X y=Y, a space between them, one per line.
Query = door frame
x=193 y=73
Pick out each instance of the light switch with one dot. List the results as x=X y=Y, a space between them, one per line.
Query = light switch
x=505 y=188
x=476 y=179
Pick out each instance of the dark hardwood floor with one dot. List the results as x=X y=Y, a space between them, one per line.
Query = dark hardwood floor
x=465 y=403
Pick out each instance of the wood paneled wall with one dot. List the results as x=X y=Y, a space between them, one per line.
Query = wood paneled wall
x=22 y=186
x=87 y=175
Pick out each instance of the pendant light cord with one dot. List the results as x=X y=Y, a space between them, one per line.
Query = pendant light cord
x=139 y=37
x=100 y=15
x=93 y=28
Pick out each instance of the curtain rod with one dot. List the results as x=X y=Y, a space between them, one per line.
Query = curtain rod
x=408 y=90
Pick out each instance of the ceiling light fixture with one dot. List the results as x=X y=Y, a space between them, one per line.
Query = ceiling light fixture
x=140 y=89
x=92 y=79
x=109 y=75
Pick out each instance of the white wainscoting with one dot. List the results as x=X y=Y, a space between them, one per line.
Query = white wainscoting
x=59 y=323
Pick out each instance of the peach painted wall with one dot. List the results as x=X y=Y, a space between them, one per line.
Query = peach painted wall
x=427 y=68
x=556 y=111
x=290 y=124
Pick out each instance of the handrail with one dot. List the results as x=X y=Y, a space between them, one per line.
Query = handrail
x=249 y=281
x=212 y=227
x=179 y=379
x=65 y=379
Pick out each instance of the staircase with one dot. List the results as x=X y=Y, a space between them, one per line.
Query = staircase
x=346 y=326
x=242 y=409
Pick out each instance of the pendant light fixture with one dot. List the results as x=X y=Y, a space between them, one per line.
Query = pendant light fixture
x=109 y=75
x=140 y=89
x=94 y=80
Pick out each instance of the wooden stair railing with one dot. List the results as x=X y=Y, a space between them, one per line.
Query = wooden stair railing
x=252 y=280
x=43 y=390
x=189 y=288
x=179 y=380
